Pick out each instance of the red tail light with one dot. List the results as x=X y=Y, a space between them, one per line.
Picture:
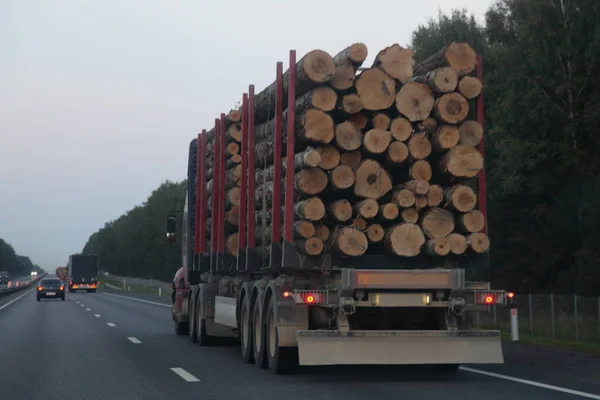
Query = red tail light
x=39 y=288
x=62 y=288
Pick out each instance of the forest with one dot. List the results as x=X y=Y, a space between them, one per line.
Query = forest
x=13 y=263
x=542 y=99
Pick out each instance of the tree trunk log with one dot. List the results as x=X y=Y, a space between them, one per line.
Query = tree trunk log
x=372 y=180
x=397 y=153
x=462 y=162
x=470 y=133
x=437 y=247
x=233 y=197
x=309 y=158
x=451 y=108
x=403 y=198
x=347 y=62
x=340 y=210
x=470 y=87
x=312 y=125
x=435 y=195
x=417 y=186
x=460 y=198
x=388 y=211
x=349 y=241
x=232 y=148
x=471 y=222
x=347 y=136
x=441 y=80
x=428 y=125
x=359 y=120
x=396 y=61
x=478 y=242
x=421 y=169
x=445 y=138
x=349 y=104
x=420 y=201
x=351 y=159
x=233 y=161
x=329 y=157
x=437 y=223
x=419 y=146
x=459 y=56
x=415 y=101
x=231 y=245
x=458 y=243
x=359 y=223
x=404 y=239
x=302 y=229
x=376 y=141
x=322 y=98
x=410 y=215
x=380 y=121
x=375 y=233
x=366 y=208
x=311 y=209
x=322 y=232
x=341 y=177
x=310 y=181
x=311 y=247
x=401 y=129
x=234 y=132
x=375 y=89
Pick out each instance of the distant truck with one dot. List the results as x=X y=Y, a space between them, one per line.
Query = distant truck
x=62 y=274
x=4 y=277
x=83 y=272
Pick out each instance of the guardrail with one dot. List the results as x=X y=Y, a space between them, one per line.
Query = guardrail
x=138 y=285
x=18 y=284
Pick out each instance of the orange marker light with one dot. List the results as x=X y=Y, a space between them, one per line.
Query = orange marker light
x=510 y=295
x=489 y=299
x=286 y=294
x=310 y=299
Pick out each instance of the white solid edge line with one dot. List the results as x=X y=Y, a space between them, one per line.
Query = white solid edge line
x=2 y=307
x=532 y=383
x=97 y=315
x=140 y=300
x=134 y=340
x=185 y=375
x=110 y=324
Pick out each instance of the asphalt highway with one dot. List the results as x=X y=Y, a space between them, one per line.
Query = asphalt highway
x=104 y=346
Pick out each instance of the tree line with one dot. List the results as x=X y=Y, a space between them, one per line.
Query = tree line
x=13 y=263
x=542 y=100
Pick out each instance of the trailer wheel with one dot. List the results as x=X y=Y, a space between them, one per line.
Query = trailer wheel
x=193 y=331
x=259 y=336
x=246 y=331
x=282 y=360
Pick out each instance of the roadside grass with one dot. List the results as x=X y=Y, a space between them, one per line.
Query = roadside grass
x=131 y=288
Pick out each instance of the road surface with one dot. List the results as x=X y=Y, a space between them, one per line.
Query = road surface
x=101 y=346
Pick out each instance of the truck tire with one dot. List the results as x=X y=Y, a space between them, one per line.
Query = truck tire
x=282 y=360
x=260 y=357
x=202 y=338
x=193 y=331
x=246 y=331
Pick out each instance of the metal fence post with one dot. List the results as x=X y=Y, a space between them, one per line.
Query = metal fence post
x=576 y=319
x=552 y=315
x=530 y=316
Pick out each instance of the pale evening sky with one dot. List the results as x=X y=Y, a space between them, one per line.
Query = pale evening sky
x=99 y=99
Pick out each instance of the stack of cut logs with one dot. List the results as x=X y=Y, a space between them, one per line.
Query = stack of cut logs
x=385 y=160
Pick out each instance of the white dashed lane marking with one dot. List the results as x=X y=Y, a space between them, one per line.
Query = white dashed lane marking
x=110 y=324
x=134 y=340
x=185 y=375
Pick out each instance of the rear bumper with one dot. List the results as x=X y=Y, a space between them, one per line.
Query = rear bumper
x=399 y=347
x=56 y=294
x=83 y=286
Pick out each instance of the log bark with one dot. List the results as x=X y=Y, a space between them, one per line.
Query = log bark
x=340 y=210
x=359 y=120
x=428 y=125
x=470 y=133
x=347 y=62
x=322 y=232
x=380 y=121
x=470 y=87
x=372 y=180
x=349 y=241
x=419 y=146
x=437 y=223
x=421 y=169
x=437 y=247
x=451 y=108
x=388 y=211
x=401 y=129
x=462 y=162
x=366 y=208
x=410 y=215
x=308 y=158
x=347 y=136
x=341 y=177
x=329 y=157
x=460 y=198
x=376 y=141
x=312 y=70
x=471 y=222
x=397 y=153
x=459 y=56
x=404 y=198
x=404 y=239
x=417 y=186
x=310 y=181
x=415 y=101
x=396 y=62
x=441 y=80
x=446 y=137
x=351 y=159
x=310 y=247
x=375 y=89
x=375 y=233
x=458 y=243
x=349 y=104
x=311 y=209
x=435 y=195
x=478 y=242
x=322 y=98
x=231 y=245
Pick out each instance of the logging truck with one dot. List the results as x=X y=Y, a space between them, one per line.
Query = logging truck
x=338 y=218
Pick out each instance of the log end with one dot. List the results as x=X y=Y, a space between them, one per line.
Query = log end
x=445 y=79
x=342 y=177
x=462 y=161
x=317 y=126
x=389 y=211
x=404 y=198
x=404 y=239
x=410 y=215
x=438 y=247
x=367 y=208
x=452 y=108
x=234 y=116
x=446 y=137
x=397 y=62
x=401 y=129
x=329 y=157
x=372 y=181
x=472 y=221
x=351 y=103
x=324 y=98
x=458 y=243
x=351 y=159
x=376 y=141
x=343 y=78
x=428 y=125
x=415 y=101
x=359 y=120
x=470 y=87
x=419 y=146
x=357 y=53
x=478 y=242
x=311 y=181
x=312 y=246
x=435 y=195
x=376 y=89
x=322 y=232
x=470 y=133
x=417 y=186
x=341 y=210
x=397 y=152
x=421 y=169
x=350 y=241
x=461 y=198
x=318 y=66
x=461 y=57
x=348 y=136
x=311 y=209
x=437 y=223
x=375 y=233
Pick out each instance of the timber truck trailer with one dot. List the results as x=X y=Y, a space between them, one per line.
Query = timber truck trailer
x=288 y=308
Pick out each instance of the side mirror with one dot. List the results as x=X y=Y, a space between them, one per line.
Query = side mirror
x=171 y=228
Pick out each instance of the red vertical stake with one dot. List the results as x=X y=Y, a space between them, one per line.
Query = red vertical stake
x=244 y=180
x=202 y=185
x=222 y=187
x=291 y=134
x=199 y=192
x=481 y=187
x=276 y=200
x=214 y=233
x=251 y=218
